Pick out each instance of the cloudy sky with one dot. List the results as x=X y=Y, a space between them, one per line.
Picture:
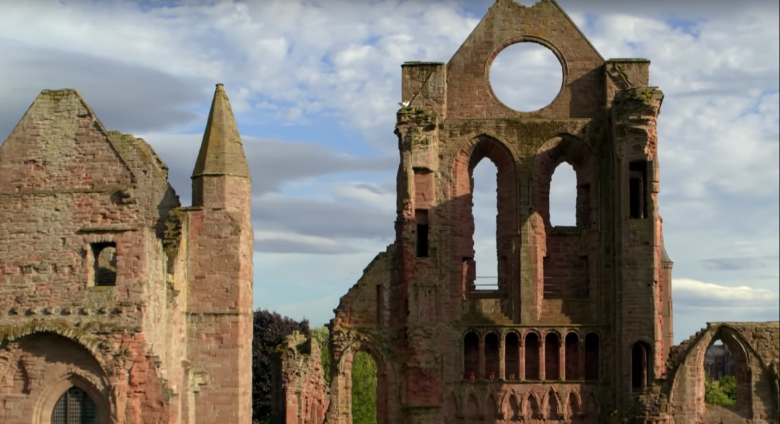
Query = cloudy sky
x=315 y=85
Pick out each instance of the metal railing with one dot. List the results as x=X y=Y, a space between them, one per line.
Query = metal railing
x=486 y=286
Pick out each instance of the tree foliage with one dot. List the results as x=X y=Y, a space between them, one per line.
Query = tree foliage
x=720 y=392
x=364 y=371
x=269 y=330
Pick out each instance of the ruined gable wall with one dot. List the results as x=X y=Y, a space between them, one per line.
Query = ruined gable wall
x=65 y=183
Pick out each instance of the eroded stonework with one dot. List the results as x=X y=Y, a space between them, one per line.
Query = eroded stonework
x=579 y=329
x=110 y=289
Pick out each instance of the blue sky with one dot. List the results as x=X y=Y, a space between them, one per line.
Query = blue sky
x=316 y=84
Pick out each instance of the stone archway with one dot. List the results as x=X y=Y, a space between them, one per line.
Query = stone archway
x=756 y=399
x=50 y=365
x=345 y=345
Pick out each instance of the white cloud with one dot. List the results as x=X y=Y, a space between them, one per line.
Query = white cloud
x=696 y=293
x=289 y=61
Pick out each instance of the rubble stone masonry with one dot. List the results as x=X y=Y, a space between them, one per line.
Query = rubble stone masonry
x=110 y=289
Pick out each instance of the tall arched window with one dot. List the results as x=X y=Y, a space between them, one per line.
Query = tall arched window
x=572 y=351
x=512 y=356
x=483 y=242
x=563 y=196
x=485 y=210
x=531 y=356
x=74 y=407
x=471 y=356
x=552 y=356
x=640 y=365
x=492 y=356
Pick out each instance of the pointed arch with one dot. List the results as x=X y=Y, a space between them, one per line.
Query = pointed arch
x=591 y=407
x=491 y=408
x=472 y=405
x=553 y=405
x=471 y=153
x=532 y=353
x=514 y=406
x=451 y=407
x=48 y=399
x=573 y=406
x=533 y=408
x=563 y=273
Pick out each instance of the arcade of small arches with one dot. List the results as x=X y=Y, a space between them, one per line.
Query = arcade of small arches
x=531 y=355
x=544 y=403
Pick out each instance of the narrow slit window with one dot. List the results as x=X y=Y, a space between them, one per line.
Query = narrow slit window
x=105 y=264
x=421 y=216
x=379 y=305
x=637 y=171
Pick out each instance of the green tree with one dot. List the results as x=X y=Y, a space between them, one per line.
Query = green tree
x=364 y=371
x=719 y=392
x=728 y=384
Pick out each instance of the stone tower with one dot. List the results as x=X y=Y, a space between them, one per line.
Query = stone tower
x=112 y=296
x=574 y=328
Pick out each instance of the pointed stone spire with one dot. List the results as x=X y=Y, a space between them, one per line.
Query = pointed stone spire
x=221 y=176
x=665 y=260
x=221 y=151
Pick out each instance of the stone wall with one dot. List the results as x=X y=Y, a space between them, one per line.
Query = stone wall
x=102 y=273
x=300 y=393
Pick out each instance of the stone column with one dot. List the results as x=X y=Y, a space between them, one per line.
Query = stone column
x=581 y=364
x=501 y=358
x=562 y=359
x=542 y=359
x=521 y=360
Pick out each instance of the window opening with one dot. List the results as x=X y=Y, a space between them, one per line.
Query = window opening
x=551 y=357
x=485 y=212
x=563 y=196
x=637 y=171
x=470 y=356
x=720 y=385
x=74 y=407
x=105 y=263
x=639 y=366
x=512 y=356
x=531 y=356
x=364 y=388
x=572 y=351
x=421 y=216
x=492 y=356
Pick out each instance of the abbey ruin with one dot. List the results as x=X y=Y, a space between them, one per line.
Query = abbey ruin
x=579 y=329
x=119 y=305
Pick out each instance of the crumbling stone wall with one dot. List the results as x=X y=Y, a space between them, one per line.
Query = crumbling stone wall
x=300 y=393
x=96 y=253
x=755 y=348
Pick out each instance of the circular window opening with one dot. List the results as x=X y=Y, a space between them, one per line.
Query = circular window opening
x=526 y=76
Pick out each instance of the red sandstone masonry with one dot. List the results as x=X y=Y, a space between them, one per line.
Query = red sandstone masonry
x=67 y=187
x=555 y=342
